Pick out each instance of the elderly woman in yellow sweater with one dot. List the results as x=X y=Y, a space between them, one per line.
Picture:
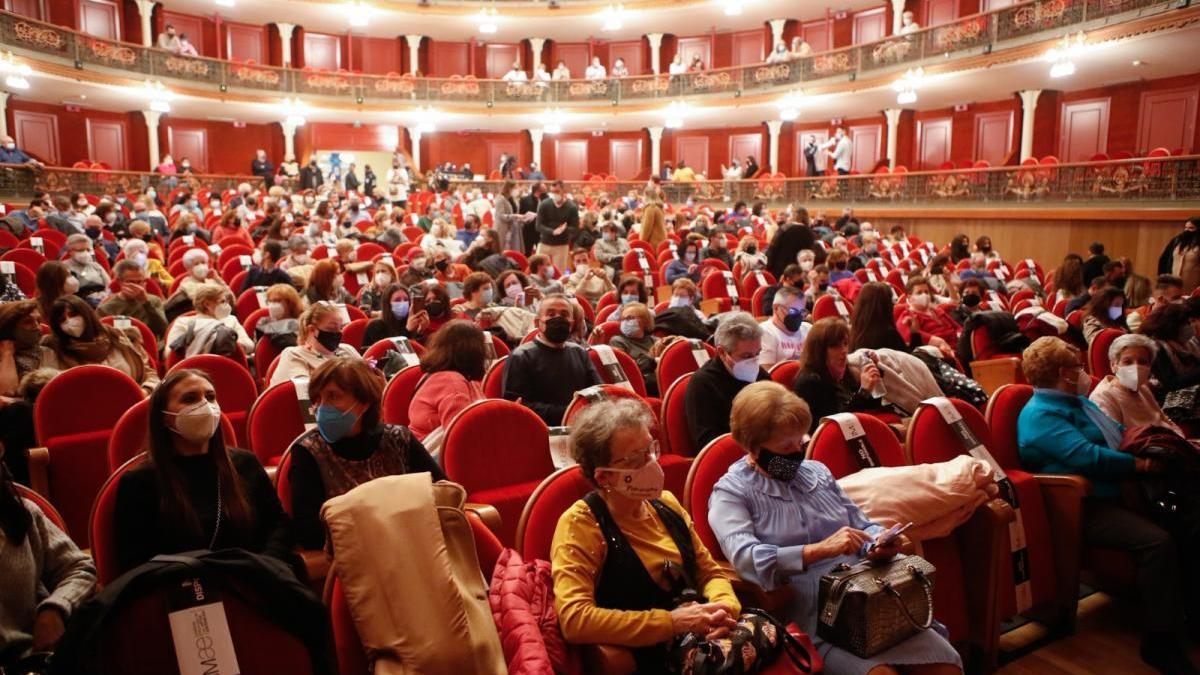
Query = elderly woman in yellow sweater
x=627 y=565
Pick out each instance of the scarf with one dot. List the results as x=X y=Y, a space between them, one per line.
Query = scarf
x=1113 y=433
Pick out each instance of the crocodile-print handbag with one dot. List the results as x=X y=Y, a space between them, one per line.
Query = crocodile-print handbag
x=869 y=607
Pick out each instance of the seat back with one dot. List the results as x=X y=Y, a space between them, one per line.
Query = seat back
x=352 y=333
x=1098 y=363
x=377 y=350
x=630 y=367
x=128 y=436
x=548 y=502
x=44 y=504
x=149 y=342
x=499 y=451
x=236 y=391
x=673 y=420
x=603 y=332
x=829 y=445
x=712 y=463
x=77 y=443
x=493 y=379
x=1003 y=409
x=250 y=300
x=398 y=394
x=681 y=358
x=274 y=421
x=101 y=525
x=828 y=305
x=584 y=397
x=785 y=373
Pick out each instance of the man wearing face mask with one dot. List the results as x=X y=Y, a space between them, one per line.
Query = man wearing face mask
x=11 y=154
x=784 y=333
x=557 y=225
x=544 y=374
x=1060 y=431
x=132 y=300
x=66 y=218
x=267 y=272
x=718 y=249
x=710 y=392
x=80 y=259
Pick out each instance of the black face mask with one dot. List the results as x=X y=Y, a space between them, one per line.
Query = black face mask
x=780 y=467
x=436 y=308
x=329 y=339
x=93 y=232
x=937 y=271
x=557 y=330
x=793 y=320
x=971 y=300
x=441 y=265
x=823 y=285
x=840 y=265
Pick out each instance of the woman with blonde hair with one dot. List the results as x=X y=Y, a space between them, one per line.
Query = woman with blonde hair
x=191 y=335
x=281 y=324
x=653 y=229
x=443 y=236
x=320 y=339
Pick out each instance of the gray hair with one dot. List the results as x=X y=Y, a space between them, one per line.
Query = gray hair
x=194 y=257
x=297 y=242
x=124 y=266
x=735 y=328
x=785 y=295
x=592 y=431
x=1131 y=340
x=79 y=239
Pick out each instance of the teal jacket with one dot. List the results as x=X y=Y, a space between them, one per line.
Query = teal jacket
x=1055 y=435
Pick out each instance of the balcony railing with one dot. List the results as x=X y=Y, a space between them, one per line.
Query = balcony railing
x=1130 y=182
x=980 y=33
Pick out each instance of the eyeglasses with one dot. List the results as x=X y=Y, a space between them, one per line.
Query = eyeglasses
x=639 y=459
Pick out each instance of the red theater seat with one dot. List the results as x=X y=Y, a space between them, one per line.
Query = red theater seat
x=1098 y=363
x=399 y=394
x=274 y=422
x=710 y=464
x=632 y=373
x=236 y=390
x=552 y=497
x=42 y=503
x=101 y=526
x=680 y=359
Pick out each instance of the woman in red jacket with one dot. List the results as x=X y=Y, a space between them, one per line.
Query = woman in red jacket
x=454 y=364
x=924 y=315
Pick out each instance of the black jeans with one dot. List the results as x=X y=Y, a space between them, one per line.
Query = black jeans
x=1160 y=587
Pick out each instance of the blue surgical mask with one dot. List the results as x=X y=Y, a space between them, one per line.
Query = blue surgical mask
x=626 y=299
x=630 y=327
x=745 y=370
x=333 y=424
x=400 y=309
x=487 y=296
x=679 y=301
x=1116 y=313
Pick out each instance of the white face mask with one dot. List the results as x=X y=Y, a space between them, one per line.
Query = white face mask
x=81 y=257
x=1132 y=376
x=222 y=310
x=382 y=279
x=643 y=483
x=197 y=423
x=919 y=301
x=679 y=301
x=276 y=310
x=806 y=265
x=73 y=326
x=200 y=271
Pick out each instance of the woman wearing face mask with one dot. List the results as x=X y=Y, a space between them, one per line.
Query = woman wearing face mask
x=485 y=254
x=281 y=325
x=19 y=340
x=686 y=263
x=517 y=291
x=139 y=252
x=478 y=295
x=749 y=255
x=1060 y=431
x=625 y=594
x=825 y=382
x=229 y=231
x=541 y=271
x=637 y=340
x=442 y=237
x=923 y=315
x=585 y=280
x=633 y=289
x=1173 y=329
x=214 y=308
x=454 y=363
x=1125 y=396
x=437 y=307
x=1106 y=310
x=326 y=284
x=874 y=325
x=718 y=249
x=396 y=319
x=53 y=282
x=350 y=445
x=821 y=528
x=199 y=266
x=77 y=337
x=320 y=340
x=192 y=491
x=80 y=258
x=370 y=296
x=838 y=262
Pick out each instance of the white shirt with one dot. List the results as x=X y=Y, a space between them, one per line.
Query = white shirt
x=515 y=76
x=562 y=73
x=541 y=76
x=910 y=28
x=841 y=153
x=677 y=68
x=779 y=345
x=778 y=57
x=595 y=72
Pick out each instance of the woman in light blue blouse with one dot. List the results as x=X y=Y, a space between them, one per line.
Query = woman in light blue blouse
x=783 y=520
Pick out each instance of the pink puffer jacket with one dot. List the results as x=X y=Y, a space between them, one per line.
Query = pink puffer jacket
x=522 y=602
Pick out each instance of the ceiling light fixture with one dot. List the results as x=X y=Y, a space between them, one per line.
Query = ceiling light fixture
x=1062 y=56
x=487 y=20
x=906 y=86
x=613 y=17
x=733 y=7
x=158 y=95
x=424 y=118
x=674 y=115
x=16 y=74
x=294 y=110
x=552 y=121
x=360 y=14
x=789 y=105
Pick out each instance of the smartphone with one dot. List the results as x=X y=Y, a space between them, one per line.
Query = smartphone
x=416 y=299
x=888 y=536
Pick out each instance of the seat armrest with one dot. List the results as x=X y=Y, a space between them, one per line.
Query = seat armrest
x=608 y=660
x=1064 y=482
x=317 y=564
x=991 y=374
x=39 y=470
x=983 y=548
x=1064 y=497
x=487 y=513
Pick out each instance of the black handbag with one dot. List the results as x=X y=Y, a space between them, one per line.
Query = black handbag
x=757 y=641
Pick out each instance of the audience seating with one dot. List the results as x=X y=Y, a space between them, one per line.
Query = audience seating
x=499 y=451
x=352 y=333
x=149 y=342
x=603 y=332
x=71 y=465
x=785 y=372
x=129 y=434
x=827 y=306
x=1098 y=363
x=632 y=373
x=377 y=350
x=274 y=422
x=710 y=464
x=677 y=438
x=43 y=504
x=101 y=526
x=552 y=497
x=399 y=394
x=678 y=360
x=493 y=379
x=23 y=277
x=236 y=390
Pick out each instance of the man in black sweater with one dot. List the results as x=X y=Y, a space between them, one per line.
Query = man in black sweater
x=557 y=226
x=543 y=375
x=266 y=273
x=710 y=393
x=529 y=204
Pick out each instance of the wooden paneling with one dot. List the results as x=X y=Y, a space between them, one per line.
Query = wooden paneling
x=866 y=139
x=34 y=9
x=245 y=42
x=1083 y=129
x=1167 y=119
x=743 y=145
x=933 y=142
x=190 y=143
x=625 y=158
x=571 y=158
x=37 y=134
x=101 y=18
x=378 y=56
x=748 y=47
x=821 y=135
x=634 y=54
x=189 y=25
x=818 y=34
x=448 y=58
x=500 y=58
x=938 y=12
x=322 y=51
x=106 y=143
x=694 y=151
x=870 y=25
x=574 y=54
x=701 y=46
x=993 y=137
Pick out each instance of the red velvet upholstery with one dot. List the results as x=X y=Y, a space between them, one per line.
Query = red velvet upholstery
x=677 y=361
x=785 y=373
x=493 y=379
x=149 y=342
x=712 y=463
x=608 y=391
x=632 y=372
x=931 y=440
x=274 y=422
x=753 y=281
x=248 y=302
x=25 y=256
x=677 y=439
x=1002 y=411
x=829 y=447
x=72 y=418
x=499 y=451
x=352 y=333
x=715 y=286
x=128 y=436
x=377 y=350
x=603 y=332
x=44 y=504
x=548 y=502
x=1098 y=363
x=235 y=388
x=101 y=533
x=265 y=355
x=826 y=306
x=399 y=394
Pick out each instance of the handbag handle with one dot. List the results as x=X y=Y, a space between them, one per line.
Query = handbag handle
x=925 y=583
x=795 y=650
